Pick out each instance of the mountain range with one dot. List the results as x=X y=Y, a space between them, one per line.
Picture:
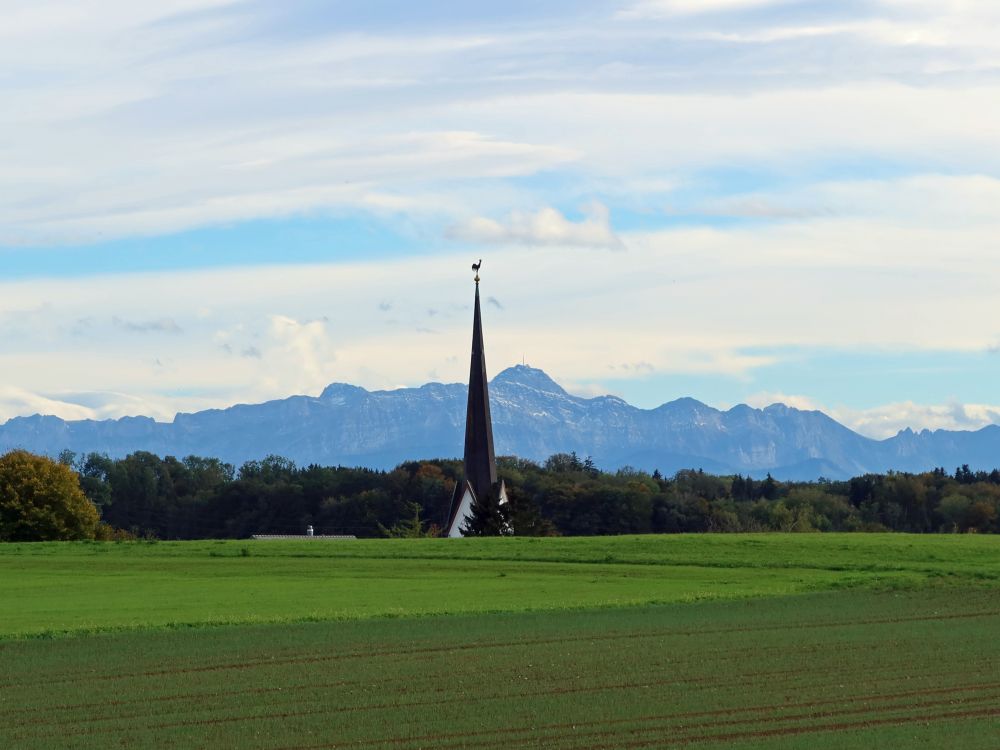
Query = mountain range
x=533 y=417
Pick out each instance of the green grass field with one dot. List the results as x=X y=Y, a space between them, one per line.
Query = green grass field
x=710 y=641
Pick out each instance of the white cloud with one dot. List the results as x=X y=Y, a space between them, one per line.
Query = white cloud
x=956 y=200
x=623 y=134
x=161 y=325
x=305 y=351
x=586 y=389
x=697 y=303
x=315 y=324
x=546 y=226
x=653 y=9
x=886 y=420
x=125 y=119
x=16 y=401
x=133 y=120
x=207 y=183
x=683 y=301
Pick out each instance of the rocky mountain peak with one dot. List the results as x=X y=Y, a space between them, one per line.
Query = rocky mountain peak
x=341 y=391
x=528 y=377
x=533 y=417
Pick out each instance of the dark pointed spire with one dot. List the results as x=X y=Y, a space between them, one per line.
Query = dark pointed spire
x=477 y=507
x=480 y=462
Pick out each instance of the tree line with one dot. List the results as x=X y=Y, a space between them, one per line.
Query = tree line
x=145 y=495
x=196 y=497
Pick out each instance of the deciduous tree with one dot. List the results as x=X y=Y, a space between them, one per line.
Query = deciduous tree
x=41 y=500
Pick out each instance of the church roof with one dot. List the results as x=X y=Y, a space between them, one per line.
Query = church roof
x=480 y=467
x=460 y=509
x=480 y=461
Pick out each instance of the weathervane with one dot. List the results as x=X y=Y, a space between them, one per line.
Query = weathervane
x=475 y=267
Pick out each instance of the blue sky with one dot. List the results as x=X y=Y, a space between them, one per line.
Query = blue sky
x=205 y=202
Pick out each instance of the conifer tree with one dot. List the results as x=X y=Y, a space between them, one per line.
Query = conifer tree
x=488 y=518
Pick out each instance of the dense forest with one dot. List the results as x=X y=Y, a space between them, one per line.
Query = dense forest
x=170 y=498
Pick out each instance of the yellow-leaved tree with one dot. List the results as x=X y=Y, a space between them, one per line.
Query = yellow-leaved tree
x=41 y=500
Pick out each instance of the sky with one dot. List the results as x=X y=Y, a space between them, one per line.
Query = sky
x=209 y=202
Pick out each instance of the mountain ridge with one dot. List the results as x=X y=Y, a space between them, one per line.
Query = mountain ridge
x=533 y=417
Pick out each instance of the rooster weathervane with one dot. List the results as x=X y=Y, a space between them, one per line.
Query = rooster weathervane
x=475 y=267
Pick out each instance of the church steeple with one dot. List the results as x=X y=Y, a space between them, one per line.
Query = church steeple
x=480 y=462
x=478 y=492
